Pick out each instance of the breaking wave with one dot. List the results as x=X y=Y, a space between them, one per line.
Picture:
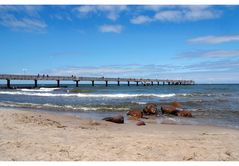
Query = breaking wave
x=56 y=107
x=39 y=90
x=88 y=95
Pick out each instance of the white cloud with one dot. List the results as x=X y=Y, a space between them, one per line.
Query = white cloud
x=128 y=70
x=220 y=71
x=214 y=39
x=28 y=20
x=187 y=13
x=32 y=10
x=210 y=54
x=180 y=13
x=61 y=16
x=154 y=7
x=27 y=9
x=221 y=53
x=201 y=13
x=111 y=28
x=86 y=9
x=169 y=15
x=112 y=12
x=26 y=24
x=140 y=19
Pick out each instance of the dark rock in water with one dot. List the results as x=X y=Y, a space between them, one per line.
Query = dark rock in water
x=150 y=109
x=137 y=114
x=168 y=109
x=184 y=113
x=176 y=104
x=115 y=119
x=140 y=123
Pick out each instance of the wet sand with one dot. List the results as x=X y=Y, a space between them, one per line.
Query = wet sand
x=26 y=135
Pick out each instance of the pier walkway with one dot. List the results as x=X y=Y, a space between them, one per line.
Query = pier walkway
x=77 y=79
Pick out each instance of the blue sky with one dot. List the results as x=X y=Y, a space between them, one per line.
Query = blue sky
x=170 y=42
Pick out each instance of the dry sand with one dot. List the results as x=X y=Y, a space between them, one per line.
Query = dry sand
x=26 y=135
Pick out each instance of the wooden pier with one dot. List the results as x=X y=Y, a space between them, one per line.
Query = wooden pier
x=77 y=80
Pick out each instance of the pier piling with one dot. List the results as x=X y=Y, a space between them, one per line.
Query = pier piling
x=77 y=83
x=35 y=82
x=106 y=83
x=8 y=83
x=93 y=83
x=128 y=83
x=58 y=83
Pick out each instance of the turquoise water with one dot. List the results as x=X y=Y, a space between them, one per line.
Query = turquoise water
x=210 y=104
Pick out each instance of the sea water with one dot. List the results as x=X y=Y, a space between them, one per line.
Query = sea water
x=210 y=104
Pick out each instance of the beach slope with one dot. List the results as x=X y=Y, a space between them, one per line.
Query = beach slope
x=26 y=135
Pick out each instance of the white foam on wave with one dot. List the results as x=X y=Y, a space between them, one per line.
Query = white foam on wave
x=185 y=94
x=60 y=107
x=71 y=107
x=39 y=90
x=85 y=95
x=139 y=102
x=177 y=121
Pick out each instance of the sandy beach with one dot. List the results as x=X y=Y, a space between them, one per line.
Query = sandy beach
x=36 y=136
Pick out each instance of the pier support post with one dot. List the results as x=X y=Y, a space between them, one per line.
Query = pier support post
x=152 y=83
x=137 y=83
x=128 y=83
x=158 y=83
x=8 y=83
x=93 y=83
x=106 y=83
x=168 y=83
x=118 y=83
x=58 y=83
x=77 y=83
x=35 y=82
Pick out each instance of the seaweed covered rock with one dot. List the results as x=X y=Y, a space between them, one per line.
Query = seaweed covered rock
x=168 y=109
x=150 y=109
x=136 y=114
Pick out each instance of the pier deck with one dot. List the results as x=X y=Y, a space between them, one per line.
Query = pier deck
x=77 y=79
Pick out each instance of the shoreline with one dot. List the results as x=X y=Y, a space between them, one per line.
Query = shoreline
x=99 y=115
x=36 y=136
